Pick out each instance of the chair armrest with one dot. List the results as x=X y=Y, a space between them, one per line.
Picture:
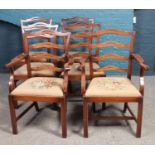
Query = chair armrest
x=66 y=69
x=11 y=83
x=16 y=60
x=143 y=67
x=140 y=60
x=83 y=76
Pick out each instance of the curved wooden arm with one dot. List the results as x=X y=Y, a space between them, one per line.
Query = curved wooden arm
x=143 y=67
x=11 y=83
x=16 y=60
x=65 y=84
x=140 y=60
x=83 y=76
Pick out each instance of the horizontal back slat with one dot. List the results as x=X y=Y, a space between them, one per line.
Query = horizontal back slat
x=111 y=68
x=76 y=18
x=45 y=32
x=40 y=56
x=78 y=44
x=34 y=19
x=81 y=35
x=113 y=31
x=110 y=44
x=81 y=25
x=46 y=45
x=110 y=56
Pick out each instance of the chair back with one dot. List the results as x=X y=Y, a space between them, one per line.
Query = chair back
x=113 y=50
x=46 y=45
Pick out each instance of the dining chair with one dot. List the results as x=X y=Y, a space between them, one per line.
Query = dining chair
x=41 y=89
x=20 y=70
x=78 y=24
x=75 y=19
x=112 y=88
x=79 y=42
x=78 y=47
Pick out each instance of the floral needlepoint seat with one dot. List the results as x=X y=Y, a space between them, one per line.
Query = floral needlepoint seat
x=22 y=70
x=40 y=86
x=112 y=87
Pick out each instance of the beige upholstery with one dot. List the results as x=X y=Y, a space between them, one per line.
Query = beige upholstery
x=112 y=87
x=22 y=71
x=76 y=71
x=38 y=52
x=40 y=86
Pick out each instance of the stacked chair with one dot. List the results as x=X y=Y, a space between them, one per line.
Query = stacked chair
x=42 y=78
x=78 y=47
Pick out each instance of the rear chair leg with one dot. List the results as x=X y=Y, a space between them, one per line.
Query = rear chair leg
x=93 y=107
x=125 y=107
x=63 y=118
x=103 y=106
x=85 y=119
x=36 y=106
x=13 y=115
x=139 y=119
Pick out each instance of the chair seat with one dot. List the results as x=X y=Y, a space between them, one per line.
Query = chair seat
x=38 y=52
x=75 y=69
x=40 y=86
x=112 y=87
x=75 y=72
x=22 y=71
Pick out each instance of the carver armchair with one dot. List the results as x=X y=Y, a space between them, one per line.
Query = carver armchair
x=41 y=88
x=114 y=88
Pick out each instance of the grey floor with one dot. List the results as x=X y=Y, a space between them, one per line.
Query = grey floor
x=44 y=127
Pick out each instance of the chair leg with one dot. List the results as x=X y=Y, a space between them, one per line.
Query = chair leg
x=103 y=106
x=70 y=86
x=85 y=119
x=139 y=119
x=36 y=106
x=125 y=107
x=63 y=118
x=13 y=115
x=93 y=107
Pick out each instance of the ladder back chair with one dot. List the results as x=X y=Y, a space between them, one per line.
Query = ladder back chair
x=19 y=62
x=36 y=24
x=76 y=19
x=82 y=43
x=114 y=88
x=41 y=89
x=77 y=24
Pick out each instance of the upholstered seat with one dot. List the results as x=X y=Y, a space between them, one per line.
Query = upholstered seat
x=22 y=71
x=75 y=68
x=112 y=87
x=75 y=72
x=38 y=52
x=40 y=86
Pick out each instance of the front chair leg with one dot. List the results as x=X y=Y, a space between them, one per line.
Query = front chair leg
x=63 y=118
x=13 y=115
x=85 y=119
x=139 y=119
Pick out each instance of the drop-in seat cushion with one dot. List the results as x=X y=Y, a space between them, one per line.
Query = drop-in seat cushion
x=112 y=87
x=22 y=70
x=40 y=86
